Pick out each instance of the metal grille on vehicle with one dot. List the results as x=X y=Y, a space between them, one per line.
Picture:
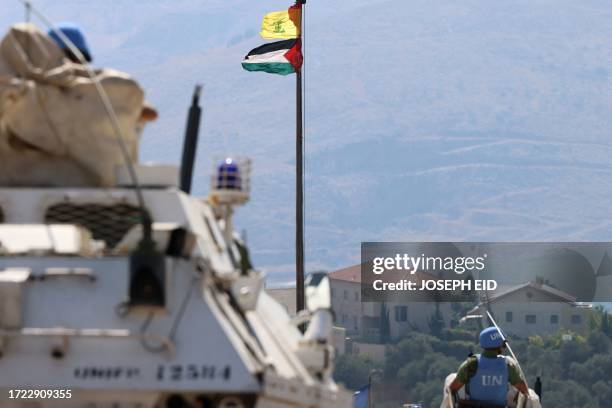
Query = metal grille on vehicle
x=108 y=223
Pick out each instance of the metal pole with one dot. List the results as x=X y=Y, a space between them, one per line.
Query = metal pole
x=299 y=190
x=299 y=203
x=370 y=389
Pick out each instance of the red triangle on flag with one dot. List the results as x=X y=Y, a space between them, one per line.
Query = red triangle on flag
x=294 y=55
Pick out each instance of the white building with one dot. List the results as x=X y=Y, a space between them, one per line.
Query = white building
x=521 y=310
x=362 y=319
x=535 y=309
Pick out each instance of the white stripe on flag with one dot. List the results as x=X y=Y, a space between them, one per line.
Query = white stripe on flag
x=275 y=56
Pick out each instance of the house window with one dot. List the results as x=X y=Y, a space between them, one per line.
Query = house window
x=554 y=319
x=356 y=296
x=344 y=318
x=576 y=319
x=401 y=313
x=530 y=318
x=355 y=322
x=509 y=317
x=345 y=294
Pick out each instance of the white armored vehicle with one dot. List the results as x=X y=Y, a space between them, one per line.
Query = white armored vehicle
x=118 y=289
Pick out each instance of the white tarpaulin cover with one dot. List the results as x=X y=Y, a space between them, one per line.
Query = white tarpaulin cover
x=54 y=130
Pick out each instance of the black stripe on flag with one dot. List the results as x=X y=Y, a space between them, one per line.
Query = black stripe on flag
x=275 y=46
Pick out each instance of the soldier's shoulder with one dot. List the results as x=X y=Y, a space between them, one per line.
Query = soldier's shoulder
x=511 y=361
x=471 y=360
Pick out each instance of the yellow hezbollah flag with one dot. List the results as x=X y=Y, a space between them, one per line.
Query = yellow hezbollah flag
x=282 y=24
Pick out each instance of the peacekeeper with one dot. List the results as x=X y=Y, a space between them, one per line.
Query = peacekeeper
x=486 y=376
x=75 y=35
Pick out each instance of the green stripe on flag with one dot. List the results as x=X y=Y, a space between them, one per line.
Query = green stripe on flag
x=280 y=68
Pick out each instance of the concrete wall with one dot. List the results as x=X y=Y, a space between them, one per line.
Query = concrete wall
x=525 y=319
x=346 y=303
x=417 y=316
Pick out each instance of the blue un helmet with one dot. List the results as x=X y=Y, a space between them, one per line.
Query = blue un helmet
x=491 y=338
x=75 y=35
x=228 y=175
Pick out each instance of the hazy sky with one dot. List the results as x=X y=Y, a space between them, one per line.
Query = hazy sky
x=449 y=120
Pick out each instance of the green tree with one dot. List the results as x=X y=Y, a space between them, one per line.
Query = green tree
x=603 y=391
x=575 y=373
x=353 y=370
x=385 y=324
x=572 y=351
x=436 y=322
x=568 y=394
x=414 y=347
x=606 y=325
x=600 y=320
x=429 y=394
x=598 y=342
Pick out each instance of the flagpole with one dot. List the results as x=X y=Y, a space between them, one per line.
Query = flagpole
x=299 y=186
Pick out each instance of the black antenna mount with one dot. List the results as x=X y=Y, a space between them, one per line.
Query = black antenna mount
x=190 y=144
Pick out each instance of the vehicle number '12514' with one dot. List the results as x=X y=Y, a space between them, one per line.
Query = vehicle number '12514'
x=180 y=372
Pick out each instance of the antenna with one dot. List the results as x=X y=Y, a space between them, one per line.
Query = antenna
x=507 y=344
x=28 y=10
x=190 y=144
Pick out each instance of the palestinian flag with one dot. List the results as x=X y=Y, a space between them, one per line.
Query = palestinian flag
x=280 y=57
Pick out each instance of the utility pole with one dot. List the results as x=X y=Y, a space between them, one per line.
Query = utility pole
x=299 y=183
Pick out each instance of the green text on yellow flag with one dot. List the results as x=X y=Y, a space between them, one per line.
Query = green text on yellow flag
x=282 y=24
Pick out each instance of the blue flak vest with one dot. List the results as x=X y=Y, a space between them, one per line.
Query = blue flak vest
x=490 y=383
